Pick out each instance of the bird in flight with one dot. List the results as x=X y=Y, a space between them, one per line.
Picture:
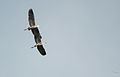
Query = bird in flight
x=36 y=33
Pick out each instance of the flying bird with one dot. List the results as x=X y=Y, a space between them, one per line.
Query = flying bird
x=36 y=33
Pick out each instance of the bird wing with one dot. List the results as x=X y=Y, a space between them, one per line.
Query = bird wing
x=31 y=18
x=41 y=49
x=32 y=22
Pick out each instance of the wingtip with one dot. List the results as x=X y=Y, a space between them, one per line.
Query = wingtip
x=41 y=50
x=30 y=9
x=43 y=53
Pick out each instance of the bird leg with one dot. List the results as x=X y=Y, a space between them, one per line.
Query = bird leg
x=32 y=27
x=41 y=43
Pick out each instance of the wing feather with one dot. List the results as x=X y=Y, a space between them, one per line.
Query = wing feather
x=41 y=49
x=31 y=18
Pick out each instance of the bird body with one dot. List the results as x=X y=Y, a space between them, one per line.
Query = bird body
x=36 y=33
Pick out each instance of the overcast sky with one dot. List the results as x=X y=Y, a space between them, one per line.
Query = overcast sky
x=83 y=38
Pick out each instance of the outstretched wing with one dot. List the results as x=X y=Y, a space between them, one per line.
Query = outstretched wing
x=31 y=18
x=32 y=22
x=39 y=47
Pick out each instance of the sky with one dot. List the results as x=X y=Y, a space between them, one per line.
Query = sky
x=82 y=38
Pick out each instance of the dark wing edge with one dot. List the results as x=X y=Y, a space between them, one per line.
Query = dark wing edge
x=31 y=17
x=41 y=50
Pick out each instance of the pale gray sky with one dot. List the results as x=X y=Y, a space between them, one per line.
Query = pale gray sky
x=83 y=38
